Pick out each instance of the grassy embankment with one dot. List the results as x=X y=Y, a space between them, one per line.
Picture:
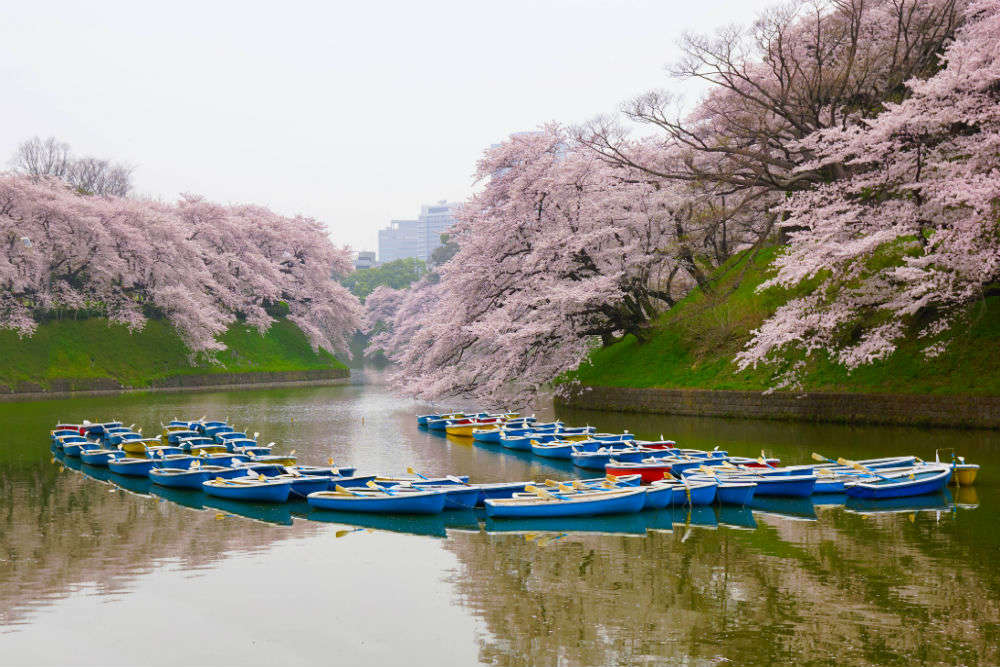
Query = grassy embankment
x=90 y=349
x=693 y=345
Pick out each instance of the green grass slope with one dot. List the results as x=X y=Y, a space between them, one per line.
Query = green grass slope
x=91 y=348
x=692 y=346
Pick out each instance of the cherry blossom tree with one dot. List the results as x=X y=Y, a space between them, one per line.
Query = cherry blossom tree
x=558 y=251
x=199 y=265
x=911 y=233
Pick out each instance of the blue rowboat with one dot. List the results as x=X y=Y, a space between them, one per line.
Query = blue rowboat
x=349 y=481
x=267 y=490
x=514 y=431
x=113 y=436
x=303 y=485
x=791 y=486
x=613 y=501
x=97 y=430
x=613 y=437
x=224 y=459
x=418 y=481
x=133 y=467
x=456 y=496
x=180 y=478
x=599 y=459
x=488 y=434
x=695 y=492
x=370 y=501
x=577 y=430
x=194 y=443
x=258 y=451
x=658 y=497
x=520 y=442
x=204 y=426
x=327 y=471
x=681 y=465
x=178 y=461
x=553 y=450
x=71 y=444
x=268 y=469
x=929 y=479
x=174 y=437
x=99 y=457
x=616 y=480
x=735 y=493
x=833 y=484
x=501 y=490
x=285 y=460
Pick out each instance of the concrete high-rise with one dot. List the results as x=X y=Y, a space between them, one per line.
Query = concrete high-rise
x=416 y=238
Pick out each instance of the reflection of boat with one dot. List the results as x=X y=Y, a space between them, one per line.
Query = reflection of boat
x=628 y=524
x=735 y=516
x=137 y=485
x=432 y=525
x=966 y=497
x=902 y=484
x=465 y=520
x=702 y=516
x=194 y=499
x=827 y=499
x=935 y=501
x=280 y=514
x=789 y=507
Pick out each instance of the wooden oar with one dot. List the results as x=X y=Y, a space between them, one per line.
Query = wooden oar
x=375 y=487
x=542 y=493
x=858 y=466
x=341 y=490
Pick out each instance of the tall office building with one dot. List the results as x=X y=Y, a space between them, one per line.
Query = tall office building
x=416 y=238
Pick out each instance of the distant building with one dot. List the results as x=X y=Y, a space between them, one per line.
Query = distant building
x=416 y=238
x=365 y=259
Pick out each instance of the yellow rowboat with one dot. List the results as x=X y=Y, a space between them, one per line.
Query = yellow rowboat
x=965 y=474
x=465 y=427
x=139 y=446
x=464 y=430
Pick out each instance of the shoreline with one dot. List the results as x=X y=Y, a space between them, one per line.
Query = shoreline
x=74 y=388
x=890 y=409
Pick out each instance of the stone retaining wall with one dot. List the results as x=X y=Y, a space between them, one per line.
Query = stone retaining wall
x=930 y=410
x=64 y=388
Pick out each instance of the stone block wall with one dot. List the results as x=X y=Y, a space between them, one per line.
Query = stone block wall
x=931 y=410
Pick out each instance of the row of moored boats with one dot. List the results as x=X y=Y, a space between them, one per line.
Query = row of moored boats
x=672 y=475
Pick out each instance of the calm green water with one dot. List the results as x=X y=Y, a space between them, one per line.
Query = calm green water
x=97 y=569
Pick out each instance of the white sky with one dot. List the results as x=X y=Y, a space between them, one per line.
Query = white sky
x=353 y=113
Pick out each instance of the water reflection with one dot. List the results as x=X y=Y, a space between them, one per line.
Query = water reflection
x=827 y=580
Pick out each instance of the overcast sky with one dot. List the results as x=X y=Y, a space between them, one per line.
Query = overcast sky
x=353 y=113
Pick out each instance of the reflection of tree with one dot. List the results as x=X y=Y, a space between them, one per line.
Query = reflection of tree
x=61 y=530
x=844 y=590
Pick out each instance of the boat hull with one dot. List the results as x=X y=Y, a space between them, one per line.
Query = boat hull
x=131 y=467
x=431 y=502
x=268 y=491
x=625 y=501
x=735 y=493
x=901 y=488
